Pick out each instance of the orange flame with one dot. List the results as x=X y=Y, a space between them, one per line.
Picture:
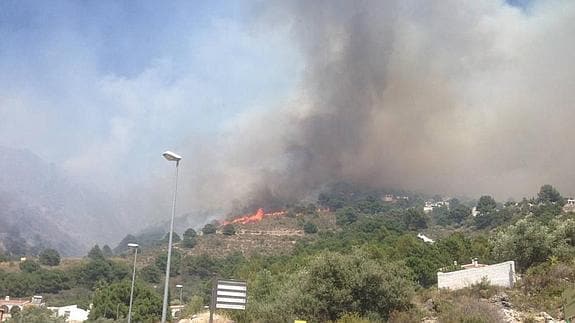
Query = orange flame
x=253 y=218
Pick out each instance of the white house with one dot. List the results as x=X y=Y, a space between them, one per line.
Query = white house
x=430 y=205
x=72 y=313
x=502 y=274
x=425 y=238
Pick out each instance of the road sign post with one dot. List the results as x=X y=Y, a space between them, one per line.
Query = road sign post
x=228 y=294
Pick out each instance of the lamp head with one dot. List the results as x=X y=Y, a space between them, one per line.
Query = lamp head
x=171 y=156
x=133 y=245
x=179 y=286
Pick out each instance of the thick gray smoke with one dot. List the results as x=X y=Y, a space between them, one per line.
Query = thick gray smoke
x=454 y=97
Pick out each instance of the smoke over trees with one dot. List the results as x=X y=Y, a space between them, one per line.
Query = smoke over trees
x=459 y=97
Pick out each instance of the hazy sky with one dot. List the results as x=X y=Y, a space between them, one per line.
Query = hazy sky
x=280 y=97
x=103 y=87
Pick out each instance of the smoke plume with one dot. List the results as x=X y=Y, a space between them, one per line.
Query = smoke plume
x=453 y=97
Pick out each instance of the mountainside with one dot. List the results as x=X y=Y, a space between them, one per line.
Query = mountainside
x=45 y=207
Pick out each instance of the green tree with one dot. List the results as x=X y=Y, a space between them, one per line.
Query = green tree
x=190 y=234
x=114 y=298
x=486 y=204
x=459 y=213
x=107 y=251
x=29 y=266
x=209 y=229
x=123 y=245
x=96 y=253
x=196 y=305
x=527 y=242
x=442 y=215
x=415 y=219
x=151 y=274
x=190 y=238
x=175 y=237
x=310 y=228
x=175 y=262
x=49 y=257
x=346 y=216
x=229 y=230
x=335 y=284
x=548 y=194
x=100 y=270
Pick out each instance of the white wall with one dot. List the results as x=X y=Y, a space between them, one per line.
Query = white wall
x=75 y=314
x=502 y=274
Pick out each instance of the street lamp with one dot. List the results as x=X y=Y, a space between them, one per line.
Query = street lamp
x=170 y=156
x=135 y=247
x=181 y=287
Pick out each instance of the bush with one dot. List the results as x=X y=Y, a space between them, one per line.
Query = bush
x=468 y=310
x=29 y=266
x=209 y=229
x=229 y=230
x=195 y=306
x=309 y=228
x=527 y=242
x=49 y=257
x=33 y=314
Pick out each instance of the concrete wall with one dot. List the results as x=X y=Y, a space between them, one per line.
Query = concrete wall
x=502 y=274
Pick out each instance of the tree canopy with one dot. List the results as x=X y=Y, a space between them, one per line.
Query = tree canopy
x=49 y=257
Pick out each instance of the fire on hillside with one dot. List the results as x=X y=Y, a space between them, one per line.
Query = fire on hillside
x=253 y=218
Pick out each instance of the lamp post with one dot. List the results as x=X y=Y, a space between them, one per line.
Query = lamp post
x=135 y=247
x=170 y=156
x=181 y=287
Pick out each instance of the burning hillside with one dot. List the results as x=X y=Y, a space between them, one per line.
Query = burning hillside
x=254 y=218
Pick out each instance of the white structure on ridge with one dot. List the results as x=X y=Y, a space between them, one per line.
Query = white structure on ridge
x=425 y=238
x=501 y=274
x=71 y=313
x=430 y=205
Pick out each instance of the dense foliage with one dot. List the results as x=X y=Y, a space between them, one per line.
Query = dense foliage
x=49 y=257
x=367 y=266
x=112 y=301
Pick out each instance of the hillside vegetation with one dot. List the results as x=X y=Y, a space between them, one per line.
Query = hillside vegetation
x=353 y=256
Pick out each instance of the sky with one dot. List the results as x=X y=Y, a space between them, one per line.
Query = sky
x=273 y=100
x=104 y=87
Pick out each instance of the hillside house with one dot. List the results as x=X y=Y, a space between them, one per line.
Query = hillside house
x=501 y=274
x=569 y=205
x=71 y=313
x=8 y=305
x=430 y=205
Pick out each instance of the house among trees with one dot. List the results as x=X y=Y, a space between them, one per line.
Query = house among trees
x=501 y=274
x=10 y=306
x=569 y=205
x=72 y=313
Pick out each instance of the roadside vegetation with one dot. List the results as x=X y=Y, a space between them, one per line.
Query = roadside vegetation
x=367 y=267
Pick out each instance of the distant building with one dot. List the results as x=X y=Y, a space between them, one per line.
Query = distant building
x=430 y=205
x=474 y=211
x=388 y=198
x=9 y=305
x=71 y=313
x=424 y=238
x=502 y=274
x=569 y=205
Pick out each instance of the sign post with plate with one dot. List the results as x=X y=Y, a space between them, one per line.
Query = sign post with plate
x=228 y=294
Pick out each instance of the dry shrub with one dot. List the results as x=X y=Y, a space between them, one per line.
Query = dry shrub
x=409 y=316
x=469 y=310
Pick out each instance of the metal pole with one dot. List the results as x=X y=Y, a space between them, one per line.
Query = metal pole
x=167 y=282
x=213 y=300
x=132 y=290
x=181 y=291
